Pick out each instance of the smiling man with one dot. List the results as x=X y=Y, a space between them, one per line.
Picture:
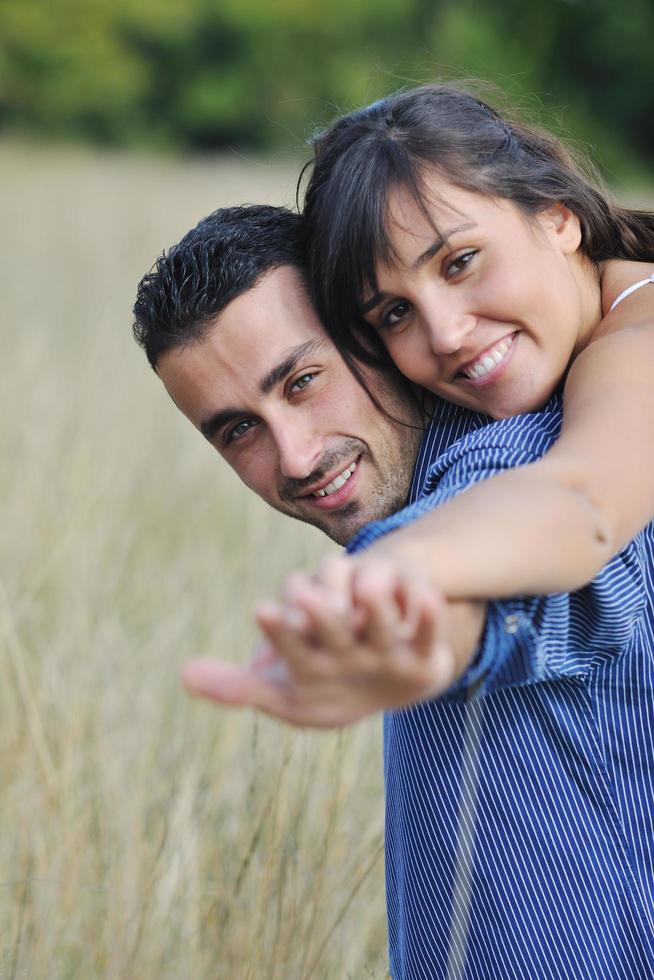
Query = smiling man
x=295 y=426
x=519 y=832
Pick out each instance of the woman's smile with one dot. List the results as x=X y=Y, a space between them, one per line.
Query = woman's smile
x=483 y=305
x=491 y=363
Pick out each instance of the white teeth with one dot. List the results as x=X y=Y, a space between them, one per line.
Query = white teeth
x=337 y=482
x=489 y=360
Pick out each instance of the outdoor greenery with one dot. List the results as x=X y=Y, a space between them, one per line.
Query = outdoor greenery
x=208 y=74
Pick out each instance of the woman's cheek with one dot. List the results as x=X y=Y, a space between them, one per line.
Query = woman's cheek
x=412 y=362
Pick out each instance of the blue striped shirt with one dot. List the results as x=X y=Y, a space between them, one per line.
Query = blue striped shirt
x=519 y=806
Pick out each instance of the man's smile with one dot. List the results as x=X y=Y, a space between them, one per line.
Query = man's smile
x=335 y=490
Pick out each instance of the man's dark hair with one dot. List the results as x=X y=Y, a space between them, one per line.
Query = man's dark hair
x=224 y=256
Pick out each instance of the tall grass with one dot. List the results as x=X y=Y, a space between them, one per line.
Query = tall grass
x=144 y=835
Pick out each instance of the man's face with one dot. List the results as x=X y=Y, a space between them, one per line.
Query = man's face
x=271 y=393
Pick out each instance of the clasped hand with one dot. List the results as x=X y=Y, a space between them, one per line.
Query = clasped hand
x=357 y=636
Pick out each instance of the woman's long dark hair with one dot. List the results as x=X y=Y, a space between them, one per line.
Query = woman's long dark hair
x=395 y=143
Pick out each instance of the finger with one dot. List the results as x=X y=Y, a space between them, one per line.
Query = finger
x=241 y=687
x=225 y=683
x=374 y=592
x=270 y=613
x=307 y=602
x=328 y=588
x=417 y=599
x=333 y=621
x=335 y=574
x=289 y=630
x=295 y=585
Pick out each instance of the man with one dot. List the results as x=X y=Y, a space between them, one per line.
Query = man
x=245 y=266
x=519 y=834
x=272 y=394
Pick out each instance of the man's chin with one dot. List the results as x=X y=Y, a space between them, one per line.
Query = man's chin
x=340 y=525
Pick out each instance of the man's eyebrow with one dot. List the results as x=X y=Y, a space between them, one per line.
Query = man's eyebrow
x=284 y=368
x=215 y=422
x=428 y=254
x=209 y=426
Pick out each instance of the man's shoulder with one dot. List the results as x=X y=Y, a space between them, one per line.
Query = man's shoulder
x=476 y=455
x=534 y=430
x=497 y=444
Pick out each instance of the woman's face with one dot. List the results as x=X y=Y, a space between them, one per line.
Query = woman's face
x=483 y=306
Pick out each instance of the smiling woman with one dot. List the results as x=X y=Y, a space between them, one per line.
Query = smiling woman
x=476 y=252
x=416 y=150
x=491 y=313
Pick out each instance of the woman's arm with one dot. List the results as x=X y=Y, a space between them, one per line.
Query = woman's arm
x=552 y=525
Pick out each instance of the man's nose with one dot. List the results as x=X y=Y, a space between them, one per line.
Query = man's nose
x=300 y=447
x=447 y=328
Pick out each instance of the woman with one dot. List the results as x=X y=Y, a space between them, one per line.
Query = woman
x=520 y=840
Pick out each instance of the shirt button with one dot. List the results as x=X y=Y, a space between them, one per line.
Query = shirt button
x=511 y=623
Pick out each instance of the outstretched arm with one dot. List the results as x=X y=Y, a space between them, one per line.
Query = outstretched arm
x=550 y=526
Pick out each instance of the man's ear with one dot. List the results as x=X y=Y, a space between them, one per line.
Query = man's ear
x=562 y=227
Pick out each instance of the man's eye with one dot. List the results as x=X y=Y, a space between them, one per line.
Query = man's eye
x=303 y=381
x=239 y=430
x=395 y=314
x=461 y=262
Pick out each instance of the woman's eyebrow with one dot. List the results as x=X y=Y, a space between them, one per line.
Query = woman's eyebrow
x=428 y=254
x=438 y=244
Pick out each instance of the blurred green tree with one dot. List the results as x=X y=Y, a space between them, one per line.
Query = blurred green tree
x=206 y=74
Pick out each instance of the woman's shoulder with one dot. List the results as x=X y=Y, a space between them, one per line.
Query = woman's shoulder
x=617 y=275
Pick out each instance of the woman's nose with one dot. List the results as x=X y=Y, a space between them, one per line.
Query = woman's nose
x=447 y=329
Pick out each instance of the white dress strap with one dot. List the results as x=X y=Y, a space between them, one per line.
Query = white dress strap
x=631 y=289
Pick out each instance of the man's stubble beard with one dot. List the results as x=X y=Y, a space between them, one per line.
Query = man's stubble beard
x=394 y=466
x=388 y=495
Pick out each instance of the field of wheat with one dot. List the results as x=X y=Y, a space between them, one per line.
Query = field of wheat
x=145 y=835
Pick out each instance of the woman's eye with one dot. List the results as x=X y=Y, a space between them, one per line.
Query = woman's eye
x=239 y=430
x=461 y=262
x=303 y=381
x=395 y=314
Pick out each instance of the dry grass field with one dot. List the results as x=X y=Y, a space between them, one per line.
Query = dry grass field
x=145 y=836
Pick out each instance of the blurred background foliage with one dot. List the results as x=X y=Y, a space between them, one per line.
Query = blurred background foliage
x=205 y=75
